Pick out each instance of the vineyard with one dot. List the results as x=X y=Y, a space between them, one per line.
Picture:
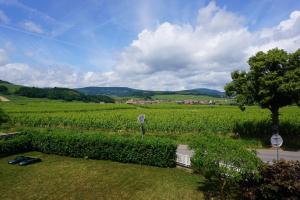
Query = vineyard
x=161 y=118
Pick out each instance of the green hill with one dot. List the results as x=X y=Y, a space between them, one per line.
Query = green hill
x=130 y=92
x=65 y=94
x=12 y=88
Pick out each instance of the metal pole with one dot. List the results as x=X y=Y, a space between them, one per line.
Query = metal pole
x=142 y=130
x=277 y=153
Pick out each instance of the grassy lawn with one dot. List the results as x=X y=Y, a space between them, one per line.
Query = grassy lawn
x=60 y=177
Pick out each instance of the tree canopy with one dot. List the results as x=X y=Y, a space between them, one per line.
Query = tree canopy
x=62 y=93
x=272 y=82
x=3 y=89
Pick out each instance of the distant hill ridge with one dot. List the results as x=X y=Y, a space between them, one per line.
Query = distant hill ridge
x=65 y=94
x=125 y=91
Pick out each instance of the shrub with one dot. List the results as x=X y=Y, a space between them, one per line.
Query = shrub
x=278 y=181
x=151 y=151
x=3 y=117
x=224 y=160
x=16 y=144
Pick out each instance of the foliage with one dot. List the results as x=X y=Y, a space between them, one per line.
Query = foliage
x=224 y=160
x=161 y=118
x=61 y=93
x=3 y=117
x=261 y=130
x=273 y=82
x=16 y=144
x=3 y=89
x=150 y=151
x=278 y=181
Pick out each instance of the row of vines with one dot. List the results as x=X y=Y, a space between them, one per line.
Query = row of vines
x=169 y=118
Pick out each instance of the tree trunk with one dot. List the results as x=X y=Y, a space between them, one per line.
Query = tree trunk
x=275 y=120
x=222 y=187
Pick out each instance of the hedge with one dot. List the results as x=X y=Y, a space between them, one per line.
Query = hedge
x=16 y=144
x=150 y=151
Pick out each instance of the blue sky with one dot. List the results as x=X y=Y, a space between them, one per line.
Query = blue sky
x=151 y=44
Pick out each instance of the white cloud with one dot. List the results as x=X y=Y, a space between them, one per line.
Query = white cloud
x=192 y=56
x=174 y=56
x=3 y=57
x=20 y=73
x=32 y=27
x=204 y=55
x=3 y=18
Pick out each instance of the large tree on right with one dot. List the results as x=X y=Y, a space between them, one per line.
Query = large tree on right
x=272 y=82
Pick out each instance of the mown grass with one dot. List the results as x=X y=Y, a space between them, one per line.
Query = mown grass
x=58 y=177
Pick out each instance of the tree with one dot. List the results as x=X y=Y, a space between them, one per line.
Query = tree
x=3 y=89
x=273 y=81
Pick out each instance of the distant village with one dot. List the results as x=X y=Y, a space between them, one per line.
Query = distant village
x=190 y=102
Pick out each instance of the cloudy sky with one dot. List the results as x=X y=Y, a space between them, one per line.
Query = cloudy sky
x=145 y=44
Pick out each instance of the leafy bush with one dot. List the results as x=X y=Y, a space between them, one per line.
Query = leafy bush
x=3 y=117
x=16 y=144
x=150 y=151
x=278 y=181
x=224 y=160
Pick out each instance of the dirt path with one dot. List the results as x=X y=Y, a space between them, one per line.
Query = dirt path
x=4 y=98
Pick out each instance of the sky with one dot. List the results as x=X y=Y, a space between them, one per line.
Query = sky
x=143 y=44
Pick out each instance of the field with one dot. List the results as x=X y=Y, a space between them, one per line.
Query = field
x=161 y=119
x=60 y=177
x=180 y=97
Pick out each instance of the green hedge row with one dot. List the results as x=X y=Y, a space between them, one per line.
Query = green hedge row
x=16 y=144
x=150 y=151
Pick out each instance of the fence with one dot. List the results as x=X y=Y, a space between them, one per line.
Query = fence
x=183 y=160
